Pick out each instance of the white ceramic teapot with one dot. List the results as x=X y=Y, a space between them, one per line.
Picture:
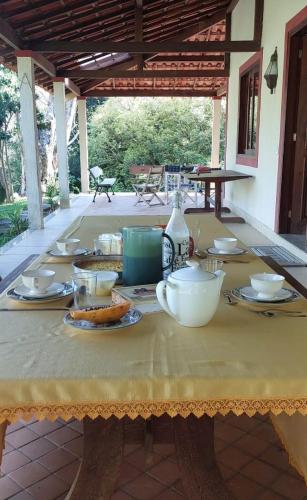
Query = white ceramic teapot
x=191 y=295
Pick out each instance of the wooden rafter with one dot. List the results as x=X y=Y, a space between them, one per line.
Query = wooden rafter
x=232 y=5
x=9 y=36
x=181 y=58
x=227 y=38
x=145 y=47
x=39 y=60
x=258 y=20
x=69 y=84
x=152 y=93
x=109 y=73
x=139 y=30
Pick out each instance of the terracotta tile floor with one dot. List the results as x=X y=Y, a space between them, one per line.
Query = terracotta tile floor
x=42 y=458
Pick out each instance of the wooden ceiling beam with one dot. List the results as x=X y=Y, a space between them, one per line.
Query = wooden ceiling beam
x=9 y=36
x=151 y=93
x=144 y=47
x=39 y=61
x=72 y=87
x=232 y=5
x=227 y=38
x=179 y=58
x=258 y=21
x=221 y=91
x=139 y=30
x=105 y=73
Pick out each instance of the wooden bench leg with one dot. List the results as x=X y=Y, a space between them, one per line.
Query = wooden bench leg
x=194 y=440
x=3 y=427
x=102 y=456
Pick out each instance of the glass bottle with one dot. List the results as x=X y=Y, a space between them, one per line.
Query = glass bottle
x=178 y=230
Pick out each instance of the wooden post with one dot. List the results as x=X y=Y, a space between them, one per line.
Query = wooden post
x=28 y=125
x=60 y=117
x=3 y=427
x=83 y=144
x=216 y=126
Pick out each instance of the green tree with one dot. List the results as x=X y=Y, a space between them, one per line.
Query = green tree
x=92 y=104
x=9 y=107
x=124 y=131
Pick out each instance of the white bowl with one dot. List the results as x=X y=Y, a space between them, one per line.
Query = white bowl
x=67 y=245
x=38 y=280
x=105 y=282
x=225 y=243
x=267 y=284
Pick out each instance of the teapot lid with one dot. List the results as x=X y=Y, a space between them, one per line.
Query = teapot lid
x=193 y=272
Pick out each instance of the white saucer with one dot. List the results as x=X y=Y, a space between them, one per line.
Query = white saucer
x=234 y=251
x=250 y=293
x=54 y=289
x=57 y=253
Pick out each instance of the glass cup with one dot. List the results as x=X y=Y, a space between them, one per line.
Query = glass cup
x=211 y=265
x=109 y=244
x=102 y=246
x=84 y=287
x=117 y=244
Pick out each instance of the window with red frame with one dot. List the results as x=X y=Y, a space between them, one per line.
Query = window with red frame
x=248 y=117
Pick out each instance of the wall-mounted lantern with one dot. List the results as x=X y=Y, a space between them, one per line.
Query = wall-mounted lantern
x=271 y=73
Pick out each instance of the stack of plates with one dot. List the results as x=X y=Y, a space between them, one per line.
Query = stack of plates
x=234 y=251
x=55 y=252
x=248 y=294
x=56 y=291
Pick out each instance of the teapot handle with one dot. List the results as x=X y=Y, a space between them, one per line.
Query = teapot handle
x=160 y=291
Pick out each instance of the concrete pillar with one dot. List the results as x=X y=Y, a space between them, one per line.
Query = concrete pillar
x=216 y=130
x=61 y=141
x=83 y=144
x=28 y=125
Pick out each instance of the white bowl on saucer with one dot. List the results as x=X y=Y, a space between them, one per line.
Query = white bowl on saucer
x=38 y=280
x=267 y=284
x=67 y=245
x=225 y=244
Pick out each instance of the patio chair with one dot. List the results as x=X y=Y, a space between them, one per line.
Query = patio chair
x=102 y=185
x=149 y=181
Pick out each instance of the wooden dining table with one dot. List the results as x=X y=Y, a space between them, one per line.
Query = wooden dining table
x=218 y=178
x=241 y=362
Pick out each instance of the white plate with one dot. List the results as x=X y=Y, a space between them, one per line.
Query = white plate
x=67 y=290
x=234 y=251
x=248 y=294
x=132 y=317
x=54 y=289
x=79 y=251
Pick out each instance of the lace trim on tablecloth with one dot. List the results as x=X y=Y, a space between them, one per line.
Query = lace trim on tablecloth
x=145 y=409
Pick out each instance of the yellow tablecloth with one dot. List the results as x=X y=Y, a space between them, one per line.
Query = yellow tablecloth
x=240 y=362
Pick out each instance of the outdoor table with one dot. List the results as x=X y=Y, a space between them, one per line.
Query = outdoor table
x=217 y=177
x=239 y=362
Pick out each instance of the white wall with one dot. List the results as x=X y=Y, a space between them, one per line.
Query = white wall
x=257 y=197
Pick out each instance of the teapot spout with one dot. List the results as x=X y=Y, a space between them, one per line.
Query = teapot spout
x=220 y=274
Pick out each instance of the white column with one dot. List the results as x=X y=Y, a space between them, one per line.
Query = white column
x=83 y=144
x=61 y=141
x=28 y=125
x=216 y=130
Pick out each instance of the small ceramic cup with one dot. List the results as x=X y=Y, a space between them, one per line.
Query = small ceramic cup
x=267 y=284
x=67 y=245
x=38 y=280
x=105 y=282
x=225 y=244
